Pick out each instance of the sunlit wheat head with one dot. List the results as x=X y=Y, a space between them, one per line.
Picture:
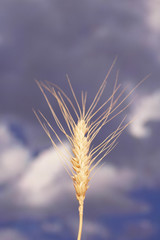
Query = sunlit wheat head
x=81 y=127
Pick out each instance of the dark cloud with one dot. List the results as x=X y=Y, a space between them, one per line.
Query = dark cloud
x=46 y=40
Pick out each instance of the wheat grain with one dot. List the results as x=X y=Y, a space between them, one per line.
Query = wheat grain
x=82 y=131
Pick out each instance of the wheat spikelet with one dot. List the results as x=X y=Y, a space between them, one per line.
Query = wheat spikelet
x=81 y=160
x=82 y=131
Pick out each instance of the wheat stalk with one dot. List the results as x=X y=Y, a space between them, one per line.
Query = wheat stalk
x=82 y=131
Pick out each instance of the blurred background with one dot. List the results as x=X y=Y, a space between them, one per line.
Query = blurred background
x=45 y=40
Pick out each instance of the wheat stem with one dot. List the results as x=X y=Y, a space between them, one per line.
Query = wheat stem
x=81 y=204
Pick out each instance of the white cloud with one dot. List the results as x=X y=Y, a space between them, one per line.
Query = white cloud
x=6 y=137
x=153 y=14
x=146 y=109
x=42 y=181
x=109 y=191
x=94 y=230
x=113 y=178
x=11 y=234
x=13 y=162
x=153 y=20
x=13 y=155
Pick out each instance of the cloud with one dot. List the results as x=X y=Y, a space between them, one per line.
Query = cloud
x=6 y=137
x=91 y=229
x=53 y=45
x=41 y=184
x=153 y=19
x=52 y=228
x=146 y=110
x=141 y=229
x=110 y=190
x=153 y=16
x=13 y=155
x=12 y=163
x=11 y=234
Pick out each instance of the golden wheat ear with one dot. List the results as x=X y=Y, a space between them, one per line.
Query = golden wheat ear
x=81 y=130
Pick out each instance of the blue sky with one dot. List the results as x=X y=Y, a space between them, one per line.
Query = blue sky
x=45 y=40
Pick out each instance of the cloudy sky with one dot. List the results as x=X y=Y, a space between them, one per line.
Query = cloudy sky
x=45 y=40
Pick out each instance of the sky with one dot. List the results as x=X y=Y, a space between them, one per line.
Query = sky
x=45 y=40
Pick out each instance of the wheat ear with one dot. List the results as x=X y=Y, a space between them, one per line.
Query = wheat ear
x=82 y=131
